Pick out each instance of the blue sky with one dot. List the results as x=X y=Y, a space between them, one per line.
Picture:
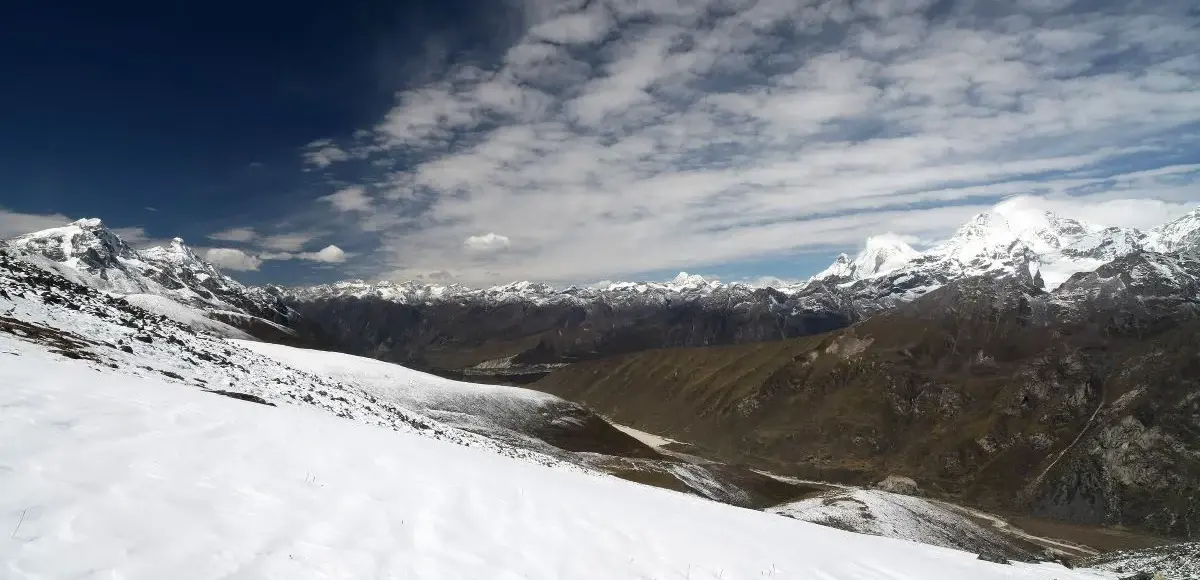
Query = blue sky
x=483 y=142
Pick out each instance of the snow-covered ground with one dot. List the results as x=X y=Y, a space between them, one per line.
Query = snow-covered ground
x=892 y=515
x=188 y=316
x=1174 y=562
x=508 y=413
x=41 y=308
x=115 y=476
x=650 y=439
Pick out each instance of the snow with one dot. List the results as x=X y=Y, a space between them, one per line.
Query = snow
x=88 y=253
x=892 y=515
x=185 y=315
x=1015 y=237
x=882 y=254
x=1180 y=235
x=650 y=439
x=477 y=407
x=107 y=475
x=59 y=316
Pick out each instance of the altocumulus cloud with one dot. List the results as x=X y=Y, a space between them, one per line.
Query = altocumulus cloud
x=623 y=136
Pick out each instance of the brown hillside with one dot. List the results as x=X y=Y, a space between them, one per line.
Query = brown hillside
x=989 y=391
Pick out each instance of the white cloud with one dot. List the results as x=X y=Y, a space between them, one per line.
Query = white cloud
x=13 y=224
x=330 y=254
x=322 y=153
x=234 y=235
x=349 y=199
x=286 y=242
x=232 y=259
x=137 y=237
x=486 y=243
x=624 y=136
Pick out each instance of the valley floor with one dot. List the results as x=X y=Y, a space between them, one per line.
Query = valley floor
x=105 y=474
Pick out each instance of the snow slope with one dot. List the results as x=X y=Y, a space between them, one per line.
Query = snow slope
x=108 y=475
x=185 y=315
x=41 y=308
x=1174 y=562
x=892 y=515
x=480 y=408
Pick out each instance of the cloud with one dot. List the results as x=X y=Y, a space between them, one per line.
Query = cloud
x=232 y=259
x=330 y=254
x=626 y=136
x=349 y=199
x=487 y=243
x=286 y=242
x=322 y=153
x=137 y=237
x=13 y=224
x=234 y=235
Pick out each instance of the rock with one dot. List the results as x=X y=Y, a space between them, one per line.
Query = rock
x=993 y=557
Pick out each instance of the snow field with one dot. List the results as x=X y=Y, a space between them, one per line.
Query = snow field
x=114 y=476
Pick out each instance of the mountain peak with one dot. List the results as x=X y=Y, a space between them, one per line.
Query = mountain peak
x=880 y=254
x=89 y=223
x=685 y=279
x=1181 y=234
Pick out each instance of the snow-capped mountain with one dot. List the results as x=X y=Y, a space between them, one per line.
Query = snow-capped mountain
x=92 y=254
x=527 y=326
x=1012 y=239
x=881 y=255
x=275 y=462
x=87 y=252
x=1181 y=235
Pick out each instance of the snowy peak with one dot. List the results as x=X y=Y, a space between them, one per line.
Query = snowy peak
x=1181 y=235
x=83 y=245
x=881 y=254
x=87 y=252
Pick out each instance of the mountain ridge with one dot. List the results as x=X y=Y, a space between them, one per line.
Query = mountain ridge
x=513 y=331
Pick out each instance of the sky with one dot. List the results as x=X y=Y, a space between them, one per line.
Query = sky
x=486 y=141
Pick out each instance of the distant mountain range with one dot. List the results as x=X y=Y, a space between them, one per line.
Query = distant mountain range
x=520 y=331
x=1030 y=361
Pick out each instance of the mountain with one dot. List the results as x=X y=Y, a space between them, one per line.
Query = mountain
x=1073 y=404
x=88 y=253
x=1181 y=235
x=519 y=332
x=131 y=335
x=881 y=255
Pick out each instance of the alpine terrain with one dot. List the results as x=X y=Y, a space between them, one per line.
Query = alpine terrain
x=1030 y=364
x=142 y=444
